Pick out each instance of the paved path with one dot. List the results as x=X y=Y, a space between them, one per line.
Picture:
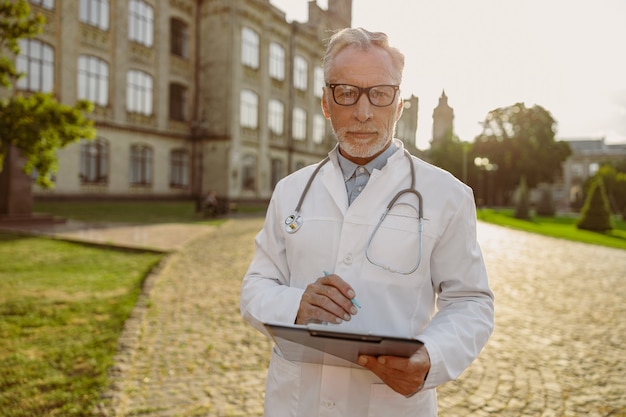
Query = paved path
x=559 y=347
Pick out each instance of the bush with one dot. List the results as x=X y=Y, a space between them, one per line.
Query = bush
x=596 y=213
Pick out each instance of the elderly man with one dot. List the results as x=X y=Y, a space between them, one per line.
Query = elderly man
x=418 y=272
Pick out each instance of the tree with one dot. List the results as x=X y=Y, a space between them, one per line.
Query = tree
x=37 y=125
x=449 y=155
x=520 y=141
x=596 y=213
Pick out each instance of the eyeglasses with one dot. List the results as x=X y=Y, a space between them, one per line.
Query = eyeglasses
x=378 y=95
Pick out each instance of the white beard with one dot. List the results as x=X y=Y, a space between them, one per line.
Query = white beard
x=362 y=149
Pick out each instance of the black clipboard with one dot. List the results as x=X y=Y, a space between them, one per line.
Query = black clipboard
x=311 y=343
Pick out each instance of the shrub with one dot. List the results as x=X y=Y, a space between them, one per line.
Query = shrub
x=596 y=213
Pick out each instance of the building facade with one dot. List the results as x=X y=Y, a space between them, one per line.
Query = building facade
x=190 y=96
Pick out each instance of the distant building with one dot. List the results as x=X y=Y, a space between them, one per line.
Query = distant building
x=190 y=95
x=406 y=127
x=587 y=156
x=443 y=121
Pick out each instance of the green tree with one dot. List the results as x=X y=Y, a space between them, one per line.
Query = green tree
x=596 y=213
x=449 y=155
x=37 y=125
x=520 y=141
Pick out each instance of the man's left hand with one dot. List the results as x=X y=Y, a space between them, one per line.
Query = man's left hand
x=404 y=375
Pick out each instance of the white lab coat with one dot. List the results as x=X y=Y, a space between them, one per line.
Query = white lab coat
x=446 y=303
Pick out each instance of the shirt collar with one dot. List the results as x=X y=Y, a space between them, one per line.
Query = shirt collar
x=348 y=167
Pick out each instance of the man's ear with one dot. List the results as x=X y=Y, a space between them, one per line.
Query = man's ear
x=325 y=110
x=400 y=108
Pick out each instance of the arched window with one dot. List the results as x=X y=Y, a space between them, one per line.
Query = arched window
x=94 y=161
x=140 y=165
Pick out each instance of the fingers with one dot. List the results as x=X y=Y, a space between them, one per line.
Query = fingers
x=326 y=300
x=404 y=375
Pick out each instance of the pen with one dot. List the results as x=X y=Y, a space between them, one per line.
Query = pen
x=353 y=300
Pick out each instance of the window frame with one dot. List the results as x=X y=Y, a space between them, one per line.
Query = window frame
x=276 y=117
x=141 y=22
x=277 y=61
x=179 y=168
x=300 y=73
x=94 y=161
x=35 y=60
x=94 y=13
x=139 y=92
x=298 y=130
x=93 y=80
x=250 y=41
x=141 y=159
x=178 y=102
x=179 y=38
x=249 y=109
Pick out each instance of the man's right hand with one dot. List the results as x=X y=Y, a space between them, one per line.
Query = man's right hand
x=326 y=300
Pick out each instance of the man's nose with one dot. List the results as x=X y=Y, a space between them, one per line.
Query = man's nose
x=363 y=109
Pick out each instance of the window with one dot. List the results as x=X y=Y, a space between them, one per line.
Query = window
x=249 y=48
x=93 y=80
x=46 y=4
x=95 y=13
x=140 y=22
x=319 y=128
x=277 y=61
x=178 y=102
x=276 y=117
x=140 y=165
x=179 y=168
x=248 y=176
x=300 y=69
x=139 y=92
x=299 y=124
x=277 y=171
x=249 y=109
x=36 y=61
x=179 y=38
x=318 y=80
x=94 y=161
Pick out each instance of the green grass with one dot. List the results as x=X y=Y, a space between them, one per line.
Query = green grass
x=62 y=309
x=563 y=227
x=135 y=212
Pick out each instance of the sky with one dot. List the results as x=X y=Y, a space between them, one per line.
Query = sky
x=568 y=56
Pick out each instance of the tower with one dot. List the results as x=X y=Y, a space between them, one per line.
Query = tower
x=443 y=117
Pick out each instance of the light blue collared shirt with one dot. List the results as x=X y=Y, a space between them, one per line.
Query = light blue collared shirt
x=356 y=176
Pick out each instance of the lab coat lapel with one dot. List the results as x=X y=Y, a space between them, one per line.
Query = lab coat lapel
x=332 y=179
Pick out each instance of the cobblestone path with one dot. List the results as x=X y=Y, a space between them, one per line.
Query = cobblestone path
x=558 y=350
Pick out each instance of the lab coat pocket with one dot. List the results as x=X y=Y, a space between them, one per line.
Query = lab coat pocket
x=385 y=402
x=395 y=244
x=283 y=386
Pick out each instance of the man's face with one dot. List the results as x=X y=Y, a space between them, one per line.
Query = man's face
x=362 y=129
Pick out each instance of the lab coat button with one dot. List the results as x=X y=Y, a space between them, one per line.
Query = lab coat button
x=329 y=404
x=347 y=259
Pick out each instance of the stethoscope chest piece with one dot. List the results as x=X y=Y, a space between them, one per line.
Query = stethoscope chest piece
x=293 y=223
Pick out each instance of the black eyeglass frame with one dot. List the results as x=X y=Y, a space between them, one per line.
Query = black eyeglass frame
x=365 y=90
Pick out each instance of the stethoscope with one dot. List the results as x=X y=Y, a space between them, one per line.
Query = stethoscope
x=294 y=221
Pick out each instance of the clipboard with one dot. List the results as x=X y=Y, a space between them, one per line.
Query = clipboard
x=323 y=344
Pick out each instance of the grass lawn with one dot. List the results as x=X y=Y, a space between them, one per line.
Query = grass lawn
x=62 y=309
x=560 y=227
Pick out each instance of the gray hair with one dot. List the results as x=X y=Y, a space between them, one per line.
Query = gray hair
x=364 y=40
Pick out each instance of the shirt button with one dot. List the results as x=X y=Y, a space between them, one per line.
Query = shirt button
x=347 y=259
x=361 y=170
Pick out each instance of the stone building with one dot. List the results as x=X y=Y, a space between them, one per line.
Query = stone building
x=190 y=95
x=443 y=121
